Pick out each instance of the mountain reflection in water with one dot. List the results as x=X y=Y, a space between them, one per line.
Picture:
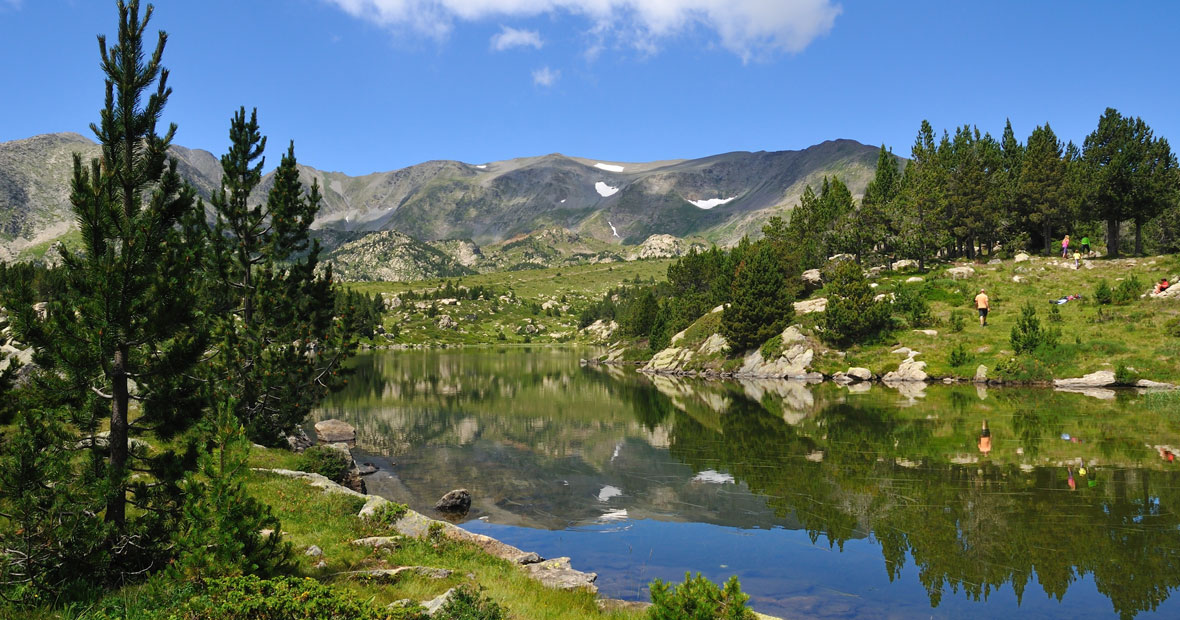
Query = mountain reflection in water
x=824 y=501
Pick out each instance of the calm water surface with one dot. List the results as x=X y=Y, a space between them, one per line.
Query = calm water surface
x=825 y=502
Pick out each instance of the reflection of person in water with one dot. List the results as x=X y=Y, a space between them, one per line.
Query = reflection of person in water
x=985 y=439
x=1167 y=454
x=1073 y=485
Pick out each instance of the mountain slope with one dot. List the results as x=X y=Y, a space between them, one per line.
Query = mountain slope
x=719 y=198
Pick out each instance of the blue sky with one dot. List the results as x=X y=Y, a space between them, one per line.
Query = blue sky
x=374 y=85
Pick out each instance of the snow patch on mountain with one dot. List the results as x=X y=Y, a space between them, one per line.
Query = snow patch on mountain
x=605 y=190
x=608 y=167
x=712 y=202
x=612 y=228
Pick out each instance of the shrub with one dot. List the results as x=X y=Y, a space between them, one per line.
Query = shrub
x=957 y=320
x=327 y=462
x=1125 y=375
x=387 y=514
x=698 y=599
x=467 y=603
x=1054 y=314
x=960 y=356
x=1102 y=293
x=284 y=598
x=1027 y=335
x=852 y=316
x=772 y=348
x=1172 y=327
x=1127 y=290
x=909 y=302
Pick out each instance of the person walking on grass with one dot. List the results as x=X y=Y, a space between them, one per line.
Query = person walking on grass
x=984 y=305
x=1065 y=246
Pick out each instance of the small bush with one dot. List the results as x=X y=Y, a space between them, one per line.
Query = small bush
x=1027 y=335
x=1055 y=314
x=1127 y=291
x=1125 y=375
x=911 y=304
x=960 y=356
x=388 y=513
x=957 y=321
x=1172 y=327
x=852 y=316
x=467 y=603
x=772 y=348
x=327 y=462
x=284 y=598
x=1102 y=293
x=698 y=599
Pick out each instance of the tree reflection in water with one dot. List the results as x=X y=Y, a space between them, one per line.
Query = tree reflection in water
x=840 y=466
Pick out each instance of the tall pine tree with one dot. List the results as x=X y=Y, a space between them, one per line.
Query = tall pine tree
x=121 y=327
x=278 y=336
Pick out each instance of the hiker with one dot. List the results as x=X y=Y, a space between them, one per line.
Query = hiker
x=1161 y=286
x=1086 y=245
x=984 y=305
x=1077 y=258
x=1065 y=246
x=985 y=440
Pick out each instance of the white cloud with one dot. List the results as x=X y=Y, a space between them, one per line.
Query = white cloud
x=545 y=76
x=509 y=38
x=748 y=28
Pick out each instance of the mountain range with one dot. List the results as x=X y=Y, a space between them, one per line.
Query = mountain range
x=602 y=203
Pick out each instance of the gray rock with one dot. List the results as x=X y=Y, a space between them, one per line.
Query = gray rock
x=446 y=322
x=1021 y=257
x=434 y=605
x=812 y=279
x=458 y=501
x=1156 y=385
x=380 y=542
x=860 y=374
x=905 y=264
x=994 y=261
x=367 y=469
x=1102 y=378
x=314 y=551
x=557 y=573
x=910 y=370
x=808 y=306
x=914 y=279
x=961 y=273
x=980 y=374
x=715 y=343
x=792 y=334
x=334 y=431
x=390 y=575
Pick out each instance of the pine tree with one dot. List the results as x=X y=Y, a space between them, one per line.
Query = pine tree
x=852 y=316
x=279 y=332
x=762 y=296
x=120 y=326
x=920 y=211
x=1041 y=190
x=1132 y=175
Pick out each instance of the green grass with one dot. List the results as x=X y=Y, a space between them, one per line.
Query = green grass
x=480 y=321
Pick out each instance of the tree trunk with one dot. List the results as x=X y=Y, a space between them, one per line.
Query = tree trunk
x=1112 y=238
x=117 y=441
x=1046 y=233
x=1138 y=237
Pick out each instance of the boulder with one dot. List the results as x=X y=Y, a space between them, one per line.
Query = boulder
x=557 y=573
x=600 y=330
x=335 y=431
x=914 y=279
x=909 y=370
x=905 y=264
x=792 y=334
x=808 y=306
x=994 y=261
x=1021 y=257
x=860 y=374
x=960 y=273
x=458 y=501
x=812 y=279
x=434 y=605
x=980 y=374
x=841 y=378
x=1102 y=378
x=927 y=332
x=446 y=322
x=1155 y=385
x=1018 y=279
x=299 y=441
x=715 y=343
x=314 y=551
x=668 y=360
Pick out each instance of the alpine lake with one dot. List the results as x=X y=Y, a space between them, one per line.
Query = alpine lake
x=825 y=501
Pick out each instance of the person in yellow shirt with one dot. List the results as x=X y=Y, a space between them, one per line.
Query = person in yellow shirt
x=982 y=303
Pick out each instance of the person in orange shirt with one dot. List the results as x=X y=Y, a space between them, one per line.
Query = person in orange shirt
x=984 y=306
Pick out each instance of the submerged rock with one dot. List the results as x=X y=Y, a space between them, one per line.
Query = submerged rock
x=458 y=500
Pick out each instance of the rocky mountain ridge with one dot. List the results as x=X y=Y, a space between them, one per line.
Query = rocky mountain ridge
x=718 y=198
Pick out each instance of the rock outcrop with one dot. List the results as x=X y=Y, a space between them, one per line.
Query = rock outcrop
x=808 y=306
x=335 y=431
x=456 y=501
x=960 y=273
x=1102 y=378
